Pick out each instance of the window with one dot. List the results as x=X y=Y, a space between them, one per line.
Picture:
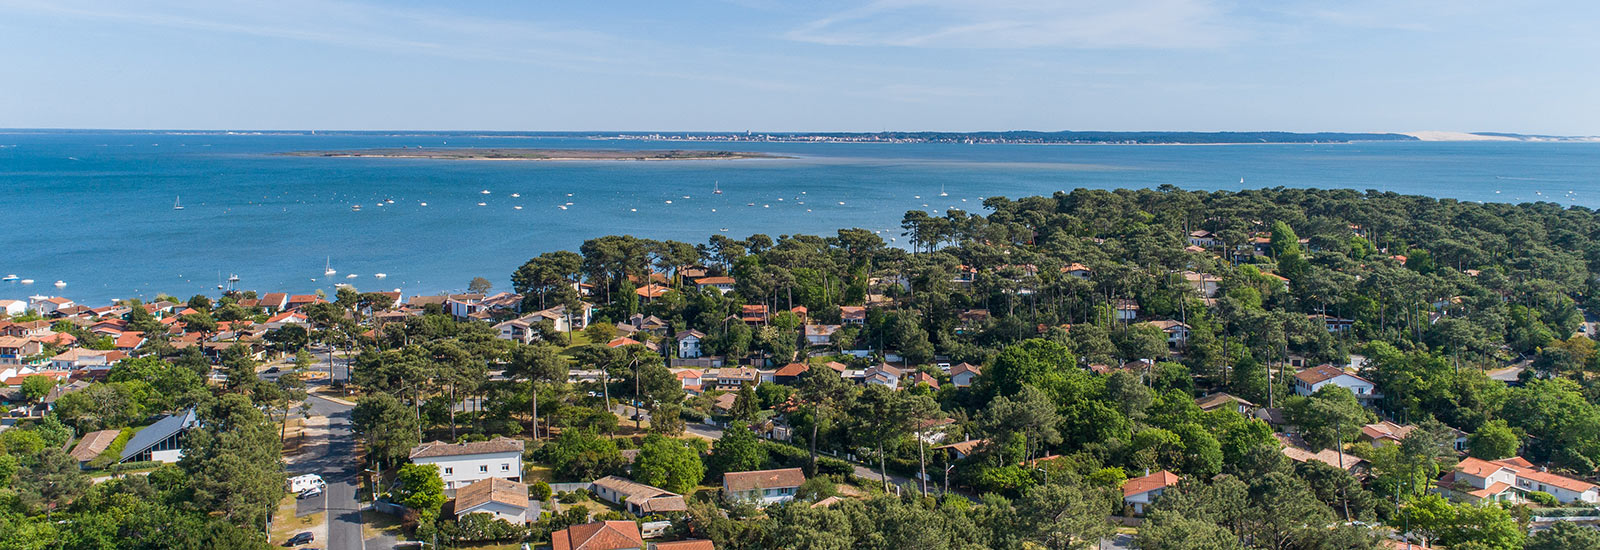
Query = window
x=448 y=471
x=483 y=467
x=505 y=467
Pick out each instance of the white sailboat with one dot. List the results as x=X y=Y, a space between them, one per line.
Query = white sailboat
x=327 y=268
x=177 y=204
x=941 y=191
x=715 y=189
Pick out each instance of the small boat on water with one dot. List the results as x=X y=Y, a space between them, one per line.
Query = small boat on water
x=424 y=204
x=380 y=275
x=518 y=207
x=26 y=281
x=564 y=207
x=327 y=267
x=941 y=191
x=715 y=189
x=483 y=204
x=388 y=201
x=60 y=284
x=355 y=208
x=669 y=202
x=9 y=278
x=516 y=195
x=177 y=203
x=485 y=191
x=350 y=276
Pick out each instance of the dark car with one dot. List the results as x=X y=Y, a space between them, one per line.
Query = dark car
x=302 y=538
x=273 y=370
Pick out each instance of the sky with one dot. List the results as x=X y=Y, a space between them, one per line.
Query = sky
x=814 y=65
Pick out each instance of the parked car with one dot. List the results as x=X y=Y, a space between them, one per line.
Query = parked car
x=308 y=493
x=302 y=538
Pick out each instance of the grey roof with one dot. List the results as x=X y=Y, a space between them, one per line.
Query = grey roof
x=158 y=432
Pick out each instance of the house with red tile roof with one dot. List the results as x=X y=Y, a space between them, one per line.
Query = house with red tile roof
x=853 y=315
x=763 y=487
x=600 y=535
x=753 y=314
x=964 y=374
x=1510 y=480
x=722 y=284
x=790 y=373
x=1139 y=492
x=1308 y=381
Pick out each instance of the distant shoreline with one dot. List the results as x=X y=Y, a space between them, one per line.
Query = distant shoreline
x=503 y=153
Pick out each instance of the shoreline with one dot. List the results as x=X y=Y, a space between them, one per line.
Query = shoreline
x=528 y=154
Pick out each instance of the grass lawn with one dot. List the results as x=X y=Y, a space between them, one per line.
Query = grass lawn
x=376 y=523
x=534 y=473
x=285 y=525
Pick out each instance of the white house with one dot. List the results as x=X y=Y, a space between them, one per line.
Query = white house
x=1139 y=492
x=1201 y=237
x=1509 y=479
x=1127 y=310
x=1308 y=381
x=723 y=285
x=81 y=358
x=463 y=463
x=13 y=308
x=1177 y=332
x=763 y=487
x=45 y=305
x=160 y=442
x=884 y=375
x=963 y=374
x=689 y=343
x=284 y=319
x=638 y=498
x=501 y=499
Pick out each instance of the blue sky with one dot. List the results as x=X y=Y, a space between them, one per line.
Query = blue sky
x=1354 y=65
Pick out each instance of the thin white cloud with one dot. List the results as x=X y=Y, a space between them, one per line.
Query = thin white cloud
x=1164 y=24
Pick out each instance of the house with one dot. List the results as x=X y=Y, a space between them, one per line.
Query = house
x=962 y=449
x=524 y=329
x=285 y=319
x=853 y=315
x=47 y=305
x=600 y=535
x=298 y=301
x=517 y=330
x=924 y=378
x=692 y=544
x=723 y=285
x=1308 y=381
x=731 y=379
x=1201 y=237
x=273 y=301
x=820 y=335
x=501 y=499
x=1509 y=480
x=80 y=358
x=1139 y=492
x=160 y=442
x=753 y=315
x=1078 y=270
x=92 y=444
x=790 y=373
x=1389 y=433
x=963 y=375
x=688 y=377
x=1221 y=400
x=129 y=341
x=1334 y=324
x=463 y=463
x=650 y=292
x=883 y=375
x=639 y=499
x=1296 y=450
x=1127 y=310
x=30 y=329
x=965 y=274
x=1205 y=284
x=1177 y=332
x=15 y=349
x=689 y=343
x=763 y=487
x=13 y=308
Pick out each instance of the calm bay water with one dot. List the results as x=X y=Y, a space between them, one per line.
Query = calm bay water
x=94 y=209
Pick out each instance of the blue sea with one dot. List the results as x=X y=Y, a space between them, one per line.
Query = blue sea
x=94 y=209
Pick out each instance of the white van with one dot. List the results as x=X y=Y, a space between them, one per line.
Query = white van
x=302 y=483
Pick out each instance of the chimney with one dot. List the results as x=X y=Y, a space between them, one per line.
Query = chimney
x=1146 y=471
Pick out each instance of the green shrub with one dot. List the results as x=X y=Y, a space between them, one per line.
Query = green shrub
x=835 y=467
x=541 y=491
x=1543 y=498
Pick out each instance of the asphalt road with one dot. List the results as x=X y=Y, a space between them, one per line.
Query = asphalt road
x=338 y=468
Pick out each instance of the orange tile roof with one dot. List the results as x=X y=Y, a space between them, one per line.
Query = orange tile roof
x=699 y=544
x=792 y=369
x=600 y=535
x=1158 y=480
x=763 y=479
x=714 y=281
x=1322 y=373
